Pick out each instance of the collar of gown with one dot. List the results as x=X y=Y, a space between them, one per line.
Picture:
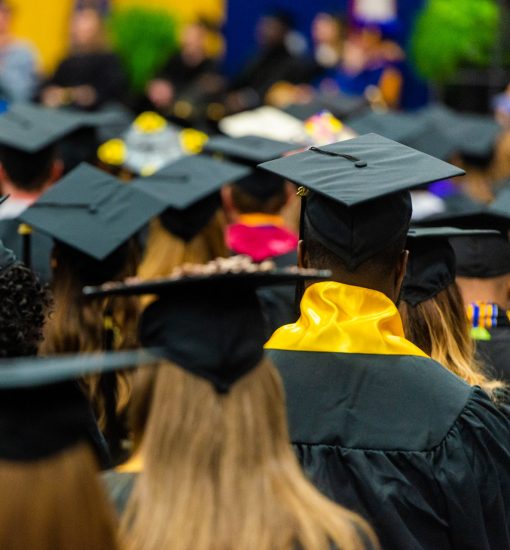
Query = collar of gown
x=340 y=318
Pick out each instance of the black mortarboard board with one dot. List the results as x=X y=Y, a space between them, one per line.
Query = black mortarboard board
x=212 y=326
x=188 y=190
x=431 y=265
x=91 y=211
x=413 y=130
x=31 y=128
x=7 y=257
x=473 y=135
x=482 y=257
x=252 y=150
x=359 y=201
x=42 y=409
x=471 y=216
x=340 y=105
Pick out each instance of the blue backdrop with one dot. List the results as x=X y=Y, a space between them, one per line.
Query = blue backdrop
x=242 y=16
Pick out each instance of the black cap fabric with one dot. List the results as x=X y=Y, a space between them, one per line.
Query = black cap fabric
x=188 y=190
x=31 y=128
x=482 y=257
x=212 y=326
x=431 y=264
x=471 y=216
x=359 y=201
x=474 y=136
x=414 y=130
x=91 y=211
x=42 y=409
x=251 y=150
x=340 y=105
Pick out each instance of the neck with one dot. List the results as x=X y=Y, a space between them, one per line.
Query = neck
x=14 y=192
x=493 y=291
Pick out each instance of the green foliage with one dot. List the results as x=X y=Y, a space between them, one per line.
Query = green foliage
x=144 y=39
x=449 y=33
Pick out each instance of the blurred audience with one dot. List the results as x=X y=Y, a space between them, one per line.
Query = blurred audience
x=90 y=75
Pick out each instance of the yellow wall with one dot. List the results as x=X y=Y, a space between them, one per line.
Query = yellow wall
x=45 y=22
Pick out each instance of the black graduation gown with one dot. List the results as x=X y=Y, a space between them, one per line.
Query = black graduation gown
x=102 y=70
x=421 y=455
x=279 y=302
x=495 y=353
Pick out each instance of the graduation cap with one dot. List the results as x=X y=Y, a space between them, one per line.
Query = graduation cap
x=210 y=325
x=91 y=212
x=339 y=104
x=188 y=189
x=251 y=151
x=474 y=136
x=43 y=411
x=471 y=216
x=431 y=264
x=482 y=256
x=357 y=199
x=414 y=130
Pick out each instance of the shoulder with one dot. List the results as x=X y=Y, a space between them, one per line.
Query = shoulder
x=369 y=401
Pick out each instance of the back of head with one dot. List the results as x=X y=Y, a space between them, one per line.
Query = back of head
x=363 y=244
x=56 y=503
x=27 y=171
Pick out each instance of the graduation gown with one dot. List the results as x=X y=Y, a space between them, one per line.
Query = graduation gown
x=385 y=431
x=491 y=331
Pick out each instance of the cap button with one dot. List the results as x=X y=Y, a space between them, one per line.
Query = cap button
x=360 y=164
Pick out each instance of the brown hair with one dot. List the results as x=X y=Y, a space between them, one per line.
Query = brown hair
x=165 y=251
x=55 y=504
x=439 y=327
x=219 y=471
x=78 y=323
x=248 y=204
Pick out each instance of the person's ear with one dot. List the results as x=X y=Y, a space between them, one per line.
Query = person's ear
x=400 y=273
x=302 y=256
x=3 y=174
x=228 y=204
x=290 y=192
x=57 y=169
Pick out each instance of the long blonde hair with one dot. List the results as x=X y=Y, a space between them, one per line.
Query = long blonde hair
x=56 y=504
x=219 y=472
x=439 y=327
x=165 y=251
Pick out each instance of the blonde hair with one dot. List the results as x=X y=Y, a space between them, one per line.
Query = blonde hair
x=439 y=327
x=165 y=251
x=56 y=503
x=219 y=472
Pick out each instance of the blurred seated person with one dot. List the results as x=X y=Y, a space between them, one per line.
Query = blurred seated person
x=371 y=64
x=91 y=75
x=18 y=73
x=328 y=38
x=189 y=76
x=275 y=61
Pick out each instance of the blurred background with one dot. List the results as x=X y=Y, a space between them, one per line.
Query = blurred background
x=435 y=48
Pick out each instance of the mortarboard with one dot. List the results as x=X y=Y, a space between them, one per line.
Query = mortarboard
x=482 y=257
x=471 y=216
x=210 y=325
x=188 y=191
x=340 y=105
x=357 y=192
x=91 y=211
x=31 y=128
x=252 y=150
x=42 y=409
x=413 y=130
x=431 y=265
x=474 y=136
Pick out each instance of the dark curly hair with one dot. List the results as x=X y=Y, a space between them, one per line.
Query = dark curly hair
x=24 y=304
